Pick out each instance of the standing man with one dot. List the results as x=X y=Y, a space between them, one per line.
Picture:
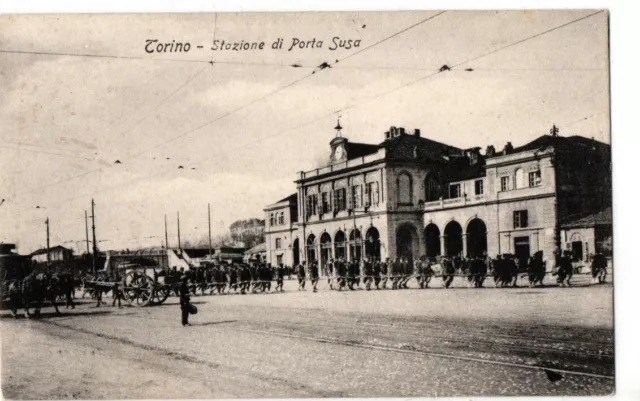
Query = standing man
x=184 y=300
x=329 y=269
x=315 y=275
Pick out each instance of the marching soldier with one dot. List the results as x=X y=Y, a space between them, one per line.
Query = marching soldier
x=368 y=274
x=376 y=273
x=330 y=273
x=314 y=274
x=341 y=272
x=384 y=272
x=280 y=277
x=352 y=271
x=302 y=275
x=565 y=270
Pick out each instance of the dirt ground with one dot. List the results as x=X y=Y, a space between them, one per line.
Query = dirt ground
x=436 y=342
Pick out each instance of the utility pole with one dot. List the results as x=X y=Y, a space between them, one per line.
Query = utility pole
x=209 y=210
x=86 y=229
x=179 y=244
x=48 y=251
x=166 y=236
x=93 y=229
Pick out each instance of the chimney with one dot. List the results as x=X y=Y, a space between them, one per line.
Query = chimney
x=473 y=154
x=490 y=152
x=416 y=132
x=401 y=131
x=508 y=148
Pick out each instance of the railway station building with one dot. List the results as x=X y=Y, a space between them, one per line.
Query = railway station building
x=410 y=196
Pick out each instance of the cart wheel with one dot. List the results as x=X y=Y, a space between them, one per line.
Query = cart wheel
x=160 y=295
x=138 y=288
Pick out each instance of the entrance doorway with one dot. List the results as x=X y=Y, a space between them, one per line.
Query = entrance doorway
x=311 y=249
x=522 y=251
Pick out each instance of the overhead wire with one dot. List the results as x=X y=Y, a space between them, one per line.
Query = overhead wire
x=233 y=111
x=389 y=91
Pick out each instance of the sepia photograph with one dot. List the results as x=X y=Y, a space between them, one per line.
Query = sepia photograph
x=306 y=205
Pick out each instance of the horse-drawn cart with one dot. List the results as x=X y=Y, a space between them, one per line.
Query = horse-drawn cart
x=141 y=277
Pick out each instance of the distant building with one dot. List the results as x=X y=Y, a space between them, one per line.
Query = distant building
x=56 y=254
x=281 y=232
x=410 y=196
x=242 y=228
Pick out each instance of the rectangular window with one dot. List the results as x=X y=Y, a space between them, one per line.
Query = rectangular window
x=454 y=191
x=520 y=219
x=312 y=205
x=279 y=260
x=534 y=179
x=356 y=196
x=326 y=202
x=281 y=218
x=278 y=243
x=504 y=184
x=272 y=219
x=479 y=184
x=339 y=199
x=371 y=194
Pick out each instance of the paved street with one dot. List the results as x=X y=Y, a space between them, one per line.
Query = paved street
x=432 y=342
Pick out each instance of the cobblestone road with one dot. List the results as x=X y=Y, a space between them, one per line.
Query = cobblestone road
x=436 y=342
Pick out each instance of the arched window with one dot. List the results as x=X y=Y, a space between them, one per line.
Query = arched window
x=519 y=179
x=405 y=189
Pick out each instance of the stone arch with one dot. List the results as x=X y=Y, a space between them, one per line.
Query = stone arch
x=355 y=244
x=372 y=244
x=326 y=246
x=407 y=242
x=311 y=248
x=476 y=238
x=340 y=245
x=432 y=240
x=453 y=238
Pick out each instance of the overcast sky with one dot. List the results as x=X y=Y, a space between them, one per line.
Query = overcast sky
x=65 y=120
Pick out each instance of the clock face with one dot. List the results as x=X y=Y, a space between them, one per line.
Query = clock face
x=339 y=152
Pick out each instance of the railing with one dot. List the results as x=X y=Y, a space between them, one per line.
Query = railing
x=343 y=165
x=454 y=202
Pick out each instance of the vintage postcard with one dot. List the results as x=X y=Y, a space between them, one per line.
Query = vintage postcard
x=311 y=204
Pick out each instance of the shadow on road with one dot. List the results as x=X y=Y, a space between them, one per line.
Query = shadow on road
x=47 y=315
x=213 y=323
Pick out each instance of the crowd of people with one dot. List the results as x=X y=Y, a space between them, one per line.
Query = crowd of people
x=372 y=273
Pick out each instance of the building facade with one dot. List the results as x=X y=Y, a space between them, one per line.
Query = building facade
x=410 y=196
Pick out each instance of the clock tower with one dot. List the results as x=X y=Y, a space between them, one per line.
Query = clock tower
x=338 y=146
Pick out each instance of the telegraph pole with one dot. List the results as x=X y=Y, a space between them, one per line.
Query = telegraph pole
x=179 y=244
x=86 y=229
x=209 y=210
x=166 y=236
x=93 y=229
x=48 y=251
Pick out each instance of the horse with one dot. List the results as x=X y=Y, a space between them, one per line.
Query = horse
x=34 y=288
